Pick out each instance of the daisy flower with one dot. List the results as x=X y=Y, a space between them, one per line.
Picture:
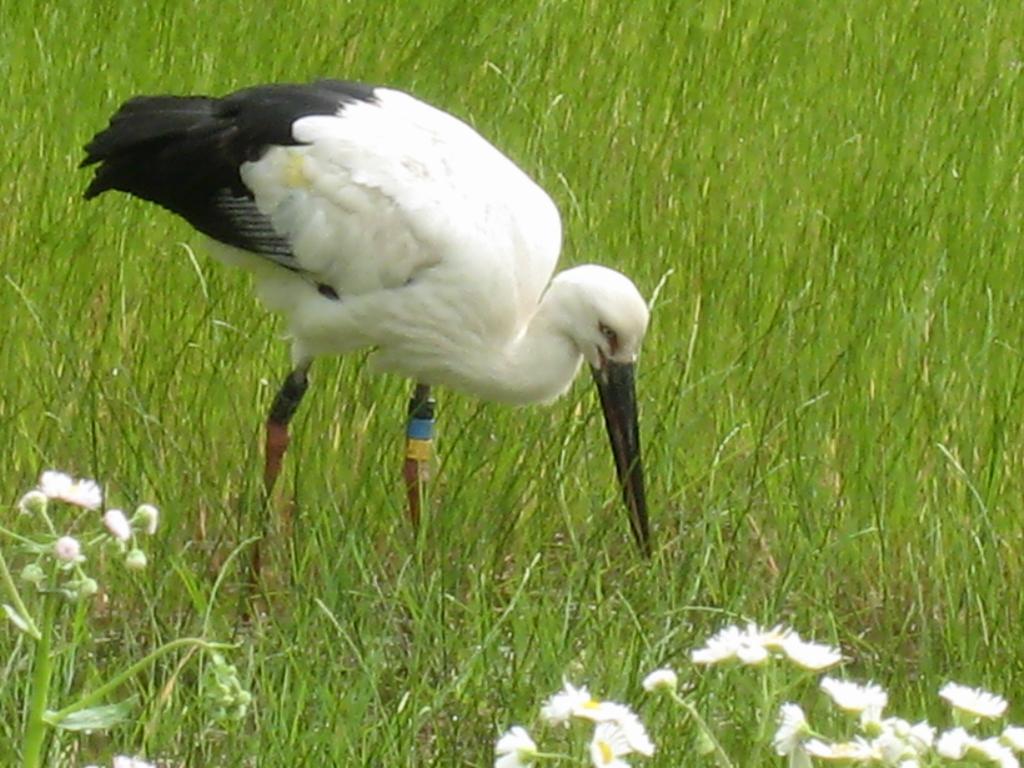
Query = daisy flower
x=131 y=762
x=793 y=729
x=661 y=680
x=515 y=749
x=953 y=744
x=636 y=735
x=973 y=701
x=611 y=742
x=746 y=646
x=81 y=493
x=1013 y=737
x=993 y=750
x=857 y=750
x=812 y=656
x=560 y=707
x=117 y=524
x=920 y=736
x=577 y=702
x=856 y=698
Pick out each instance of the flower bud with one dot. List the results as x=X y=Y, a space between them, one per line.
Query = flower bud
x=80 y=589
x=33 y=574
x=146 y=517
x=135 y=560
x=88 y=587
x=33 y=503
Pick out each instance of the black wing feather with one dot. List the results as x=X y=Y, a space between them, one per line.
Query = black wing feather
x=184 y=153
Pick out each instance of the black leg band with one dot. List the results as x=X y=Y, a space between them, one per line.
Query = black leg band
x=289 y=396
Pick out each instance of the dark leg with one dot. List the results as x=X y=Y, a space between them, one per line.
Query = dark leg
x=418 y=443
x=285 y=404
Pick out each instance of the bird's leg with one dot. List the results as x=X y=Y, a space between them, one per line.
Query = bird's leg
x=286 y=402
x=419 y=439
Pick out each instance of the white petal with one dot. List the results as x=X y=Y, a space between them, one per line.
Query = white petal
x=973 y=701
x=661 y=679
x=117 y=524
x=813 y=656
x=953 y=744
x=793 y=728
x=853 y=697
x=1013 y=737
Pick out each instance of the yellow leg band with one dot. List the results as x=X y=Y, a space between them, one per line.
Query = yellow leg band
x=417 y=449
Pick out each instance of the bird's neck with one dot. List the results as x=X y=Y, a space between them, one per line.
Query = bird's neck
x=540 y=364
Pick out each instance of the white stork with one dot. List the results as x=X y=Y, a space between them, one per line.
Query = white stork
x=372 y=220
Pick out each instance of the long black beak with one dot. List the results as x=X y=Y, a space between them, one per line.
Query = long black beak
x=618 y=400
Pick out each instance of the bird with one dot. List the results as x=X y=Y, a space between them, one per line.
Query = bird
x=371 y=220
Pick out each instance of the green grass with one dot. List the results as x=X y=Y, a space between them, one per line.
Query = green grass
x=831 y=388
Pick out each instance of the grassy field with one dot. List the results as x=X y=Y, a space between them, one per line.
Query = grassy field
x=830 y=391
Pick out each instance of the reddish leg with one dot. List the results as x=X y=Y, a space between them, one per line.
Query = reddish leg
x=286 y=402
x=419 y=440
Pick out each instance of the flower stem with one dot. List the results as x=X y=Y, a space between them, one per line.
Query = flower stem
x=54 y=718
x=42 y=673
x=720 y=753
x=12 y=591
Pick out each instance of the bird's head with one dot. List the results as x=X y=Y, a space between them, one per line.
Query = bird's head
x=606 y=317
x=603 y=313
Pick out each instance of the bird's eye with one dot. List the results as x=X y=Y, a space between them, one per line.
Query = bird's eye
x=610 y=335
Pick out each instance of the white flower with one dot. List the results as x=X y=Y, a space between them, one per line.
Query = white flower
x=898 y=743
x=81 y=493
x=68 y=549
x=609 y=744
x=919 y=736
x=147 y=516
x=719 y=647
x=748 y=646
x=812 y=656
x=856 y=698
x=1013 y=737
x=754 y=645
x=561 y=706
x=577 y=702
x=131 y=762
x=773 y=639
x=661 y=680
x=117 y=524
x=636 y=734
x=958 y=744
x=515 y=749
x=793 y=729
x=953 y=744
x=857 y=750
x=973 y=701
x=995 y=751
x=33 y=503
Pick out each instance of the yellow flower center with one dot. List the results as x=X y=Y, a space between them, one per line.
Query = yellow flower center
x=607 y=755
x=592 y=704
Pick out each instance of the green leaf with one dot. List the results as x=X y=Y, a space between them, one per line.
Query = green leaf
x=91 y=719
x=16 y=618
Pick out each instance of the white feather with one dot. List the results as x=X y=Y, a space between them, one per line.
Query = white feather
x=440 y=249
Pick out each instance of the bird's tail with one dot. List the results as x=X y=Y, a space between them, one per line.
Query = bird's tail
x=153 y=147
